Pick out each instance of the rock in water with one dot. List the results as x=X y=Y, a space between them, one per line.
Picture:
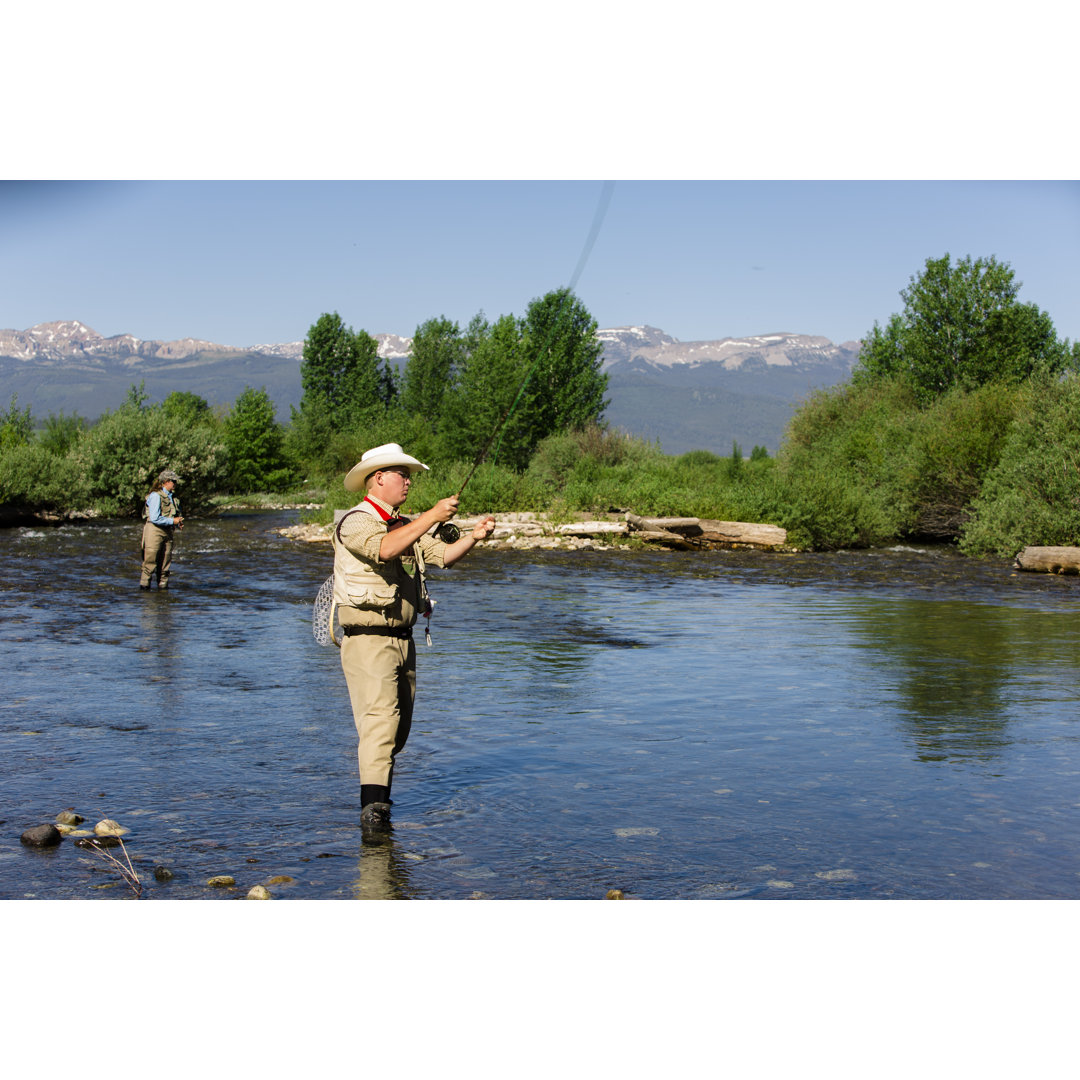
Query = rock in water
x=108 y=827
x=67 y=817
x=162 y=873
x=41 y=836
x=259 y=892
x=222 y=881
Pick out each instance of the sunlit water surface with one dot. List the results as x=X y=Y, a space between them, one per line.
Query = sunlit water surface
x=888 y=724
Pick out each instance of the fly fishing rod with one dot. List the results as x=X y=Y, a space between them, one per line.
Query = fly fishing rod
x=598 y=218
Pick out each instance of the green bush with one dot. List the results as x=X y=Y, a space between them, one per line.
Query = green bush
x=1032 y=495
x=955 y=443
x=61 y=433
x=16 y=425
x=32 y=478
x=256 y=445
x=845 y=472
x=120 y=456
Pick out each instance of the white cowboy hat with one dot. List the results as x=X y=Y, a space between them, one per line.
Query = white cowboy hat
x=380 y=457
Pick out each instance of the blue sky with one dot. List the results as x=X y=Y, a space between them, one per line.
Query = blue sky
x=245 y=262
x=782 y=168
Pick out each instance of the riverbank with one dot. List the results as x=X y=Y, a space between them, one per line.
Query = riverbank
x=600 y=532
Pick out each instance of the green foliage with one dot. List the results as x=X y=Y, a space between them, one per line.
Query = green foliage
x=962 y=326
x=955 y=443
x=16 y=425
x=489 y=377
x=693 y=458
x=61 y=433
x=540 y=374
x=1032 y=495
x=121 y=455
x=342 y=383
x=566 y=389
x=844 y=468
x=255 y=444
x=188 y=407
x=438 y=350
x=32 y=478
x=580 y=455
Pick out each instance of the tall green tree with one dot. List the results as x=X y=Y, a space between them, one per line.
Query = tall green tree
x=255 y=443
x=343 y=389
x=962 y=326
x=559 y=345
x=438 y=351
x=541 y=373
x=488 y=379
x=339 y=373
x=16 y=425
x=189 y=407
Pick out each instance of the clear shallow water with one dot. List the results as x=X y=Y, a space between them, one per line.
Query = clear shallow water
x=897 y=724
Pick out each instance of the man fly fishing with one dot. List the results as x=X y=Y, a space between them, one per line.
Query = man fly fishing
x=380 y=561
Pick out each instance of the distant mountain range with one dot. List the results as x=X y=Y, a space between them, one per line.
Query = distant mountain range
x=685 y=394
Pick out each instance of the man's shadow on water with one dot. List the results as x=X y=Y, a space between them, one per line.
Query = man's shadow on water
x=382 y=873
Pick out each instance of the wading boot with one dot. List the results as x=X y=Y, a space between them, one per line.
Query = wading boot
x=375 y=817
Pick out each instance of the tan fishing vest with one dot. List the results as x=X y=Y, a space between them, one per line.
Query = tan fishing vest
x=169 y=506
x=371 y=586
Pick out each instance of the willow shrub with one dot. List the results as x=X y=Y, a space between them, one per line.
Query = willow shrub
x=119 y=457
x=955 y=444
x=1032 y=495
x=844 y=471
x=33 y=478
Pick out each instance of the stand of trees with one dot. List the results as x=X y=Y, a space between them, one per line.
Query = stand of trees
x=541 y=373
x=959 y=424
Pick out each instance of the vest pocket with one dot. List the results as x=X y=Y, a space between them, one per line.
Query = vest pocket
x=373 y=597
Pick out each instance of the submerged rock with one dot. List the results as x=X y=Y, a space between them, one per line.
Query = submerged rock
x=222 y=881
x=98 y=842
x=41 y=836
x=162 y=873
x=68 y=817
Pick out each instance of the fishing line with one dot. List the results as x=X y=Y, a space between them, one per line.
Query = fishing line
x=324 y=610
x=598 y=219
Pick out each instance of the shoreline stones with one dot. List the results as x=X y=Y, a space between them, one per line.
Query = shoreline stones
x=259 y=892
x=222 y=881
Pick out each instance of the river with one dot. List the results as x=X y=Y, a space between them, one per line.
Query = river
x=888 y=724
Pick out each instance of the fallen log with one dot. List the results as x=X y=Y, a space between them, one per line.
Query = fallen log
x=672 y=539
x=709 y=533
x=1051 y=560
x=594 y=528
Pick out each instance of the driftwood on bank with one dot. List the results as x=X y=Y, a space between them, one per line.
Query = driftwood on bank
x=535 y=530
x=1052 y=560
x=704 y=532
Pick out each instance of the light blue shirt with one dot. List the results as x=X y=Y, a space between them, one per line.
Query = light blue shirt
x=153 y=509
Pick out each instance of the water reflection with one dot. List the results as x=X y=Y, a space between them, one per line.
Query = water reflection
x=381 y=872
x=680 y=725
x=955 y=670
